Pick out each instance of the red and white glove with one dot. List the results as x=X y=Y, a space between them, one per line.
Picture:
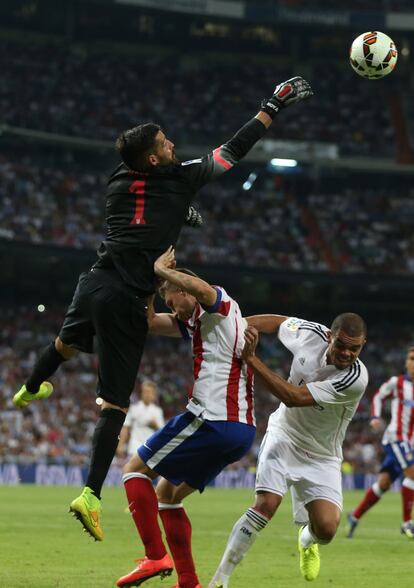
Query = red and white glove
x=286 y=93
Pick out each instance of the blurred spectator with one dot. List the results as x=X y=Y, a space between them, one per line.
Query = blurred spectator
x=346 y=228
x=143 y=419
x=59 y=430
x=64 y=90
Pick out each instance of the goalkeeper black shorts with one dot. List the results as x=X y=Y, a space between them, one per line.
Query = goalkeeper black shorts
x=110 y=317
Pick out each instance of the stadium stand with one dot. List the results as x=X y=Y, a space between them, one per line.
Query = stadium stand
x=79 y=93
x=59 y=431
x=367 y=228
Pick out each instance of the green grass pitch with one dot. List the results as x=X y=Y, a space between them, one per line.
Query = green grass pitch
x=41 y=546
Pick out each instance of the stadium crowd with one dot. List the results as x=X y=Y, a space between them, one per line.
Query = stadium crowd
x=342 y=228
x=59 y=431
x=70 y=91
x=374 y=5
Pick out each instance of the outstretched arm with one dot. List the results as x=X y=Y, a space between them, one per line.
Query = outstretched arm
x=288 y=393
x=200 y=171
x=266 y=323
x=201 y=290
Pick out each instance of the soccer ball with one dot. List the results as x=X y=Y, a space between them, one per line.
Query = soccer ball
x=373 y=55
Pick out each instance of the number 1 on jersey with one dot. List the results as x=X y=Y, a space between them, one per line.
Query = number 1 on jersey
x=138 y=188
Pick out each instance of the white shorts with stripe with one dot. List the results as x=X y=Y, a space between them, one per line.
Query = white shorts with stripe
x=283 y=466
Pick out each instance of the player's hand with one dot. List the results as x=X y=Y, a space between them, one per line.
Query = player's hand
x=251 y=338
x=286 y=93
x=193 y=218
x=165 y=261
x=376 y=425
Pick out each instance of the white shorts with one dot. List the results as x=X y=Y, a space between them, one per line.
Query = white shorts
x=283 y=466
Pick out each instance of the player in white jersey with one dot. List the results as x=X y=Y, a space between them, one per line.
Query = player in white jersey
x=143 y=418
x=398 y=443
x=217 y=428
x=301 y=450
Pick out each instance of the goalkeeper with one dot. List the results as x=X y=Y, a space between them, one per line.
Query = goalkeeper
x=148 y=200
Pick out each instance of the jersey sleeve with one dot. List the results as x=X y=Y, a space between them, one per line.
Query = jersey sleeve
x=289 y=333
x=198 y=172
x=346 y=388
x=222 y=305
x=386 y=390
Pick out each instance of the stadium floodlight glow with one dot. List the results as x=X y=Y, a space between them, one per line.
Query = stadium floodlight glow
x=250 y=181
x=276 y=162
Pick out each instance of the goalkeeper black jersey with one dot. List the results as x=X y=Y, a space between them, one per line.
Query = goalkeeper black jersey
x=146 y=211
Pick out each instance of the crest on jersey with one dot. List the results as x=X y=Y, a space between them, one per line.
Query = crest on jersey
x=293 y=324
x=302 y=360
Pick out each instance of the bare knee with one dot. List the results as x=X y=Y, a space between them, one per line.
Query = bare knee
x=165 y=492
x=168 y=493
x=136 y=466
x=384 y=481
x=325 y=527
x=267 y=503
x=65 y=351
x=409 y=472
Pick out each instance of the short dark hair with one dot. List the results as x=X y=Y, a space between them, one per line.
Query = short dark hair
x=410 y=348
x=349 y=322
x=166 y=285
x=134 y=145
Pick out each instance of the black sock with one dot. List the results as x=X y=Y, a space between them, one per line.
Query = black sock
x=104 y=443
x=46 y=365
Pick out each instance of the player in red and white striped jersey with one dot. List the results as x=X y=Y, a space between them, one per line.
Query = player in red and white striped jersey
x=217 y=428
x=223 y=384
x=398 y=445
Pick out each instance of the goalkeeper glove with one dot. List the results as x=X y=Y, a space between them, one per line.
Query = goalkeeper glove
x=193 y=218
x=286 y=93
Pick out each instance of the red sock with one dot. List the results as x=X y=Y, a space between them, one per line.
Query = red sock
x=367 y=502
x=178 y=531
x=143 y=505
x=407 y=496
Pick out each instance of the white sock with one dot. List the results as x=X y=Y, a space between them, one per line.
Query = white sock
x=307 y=538
x=377 y=490
x=408 y=483
x=241 y=538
